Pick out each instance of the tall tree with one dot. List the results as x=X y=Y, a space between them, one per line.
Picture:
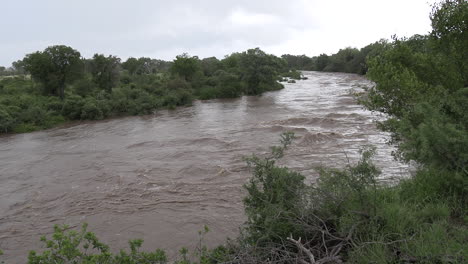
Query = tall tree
x=322 y=62
x=18 y=67
x=185 y=66
x=131 y=65
x=210 y=65
x=450 y=33
x=105 y=71
x=259 y=70
x=144 y=66
x=54 y=68
x=420 y=85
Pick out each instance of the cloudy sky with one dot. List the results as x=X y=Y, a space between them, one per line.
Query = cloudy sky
x=164 y=29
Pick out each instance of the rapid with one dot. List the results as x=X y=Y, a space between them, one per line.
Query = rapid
x=162 y=177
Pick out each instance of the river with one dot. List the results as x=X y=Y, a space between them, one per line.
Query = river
x=162 y=177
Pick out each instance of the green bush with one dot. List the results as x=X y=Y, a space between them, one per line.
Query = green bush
x=273 y=201
x=229 y=85
x=91 y=110
x=34 y=114
x=178 y=98
x=347 y=216
x=84 y=247
x=119 y=101
x=84 y=87
x=6 y=121
x=54 y=105
x=73 y=107
x=208 y=92
x=24 y=128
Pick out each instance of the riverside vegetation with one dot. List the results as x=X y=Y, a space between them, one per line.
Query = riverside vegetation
x=62 y=86
x=421 y=84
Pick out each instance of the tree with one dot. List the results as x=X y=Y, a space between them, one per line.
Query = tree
x=450 y=33
x=228 y=84
x=420 y=85
x=144 y=65
x=259 y=70
x=359 y=62
x=210 y=65
x=301 y=62
x=6 y=120
x=185 y=66
x=54 y=68
x=321 y=62
x=131 y=65
x=341 y=61
x=18 y=67
x=105 y=71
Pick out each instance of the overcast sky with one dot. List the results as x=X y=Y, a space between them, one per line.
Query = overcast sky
x=164 y=29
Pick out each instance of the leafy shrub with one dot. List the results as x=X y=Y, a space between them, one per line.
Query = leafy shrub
x=91 y=110
x=229 y=85
x=119 y=101
x=73 y=106
x=34 y=114
x=274 y=194
x=84 y=247
x=24 y=128
x=208 y=92
x=6 y=121
x=54 y=105
x=84 y=86
x=178 y=98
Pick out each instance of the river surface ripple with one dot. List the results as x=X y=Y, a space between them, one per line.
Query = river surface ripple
x=162 y=177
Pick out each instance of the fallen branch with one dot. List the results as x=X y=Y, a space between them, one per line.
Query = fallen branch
x=303 y=249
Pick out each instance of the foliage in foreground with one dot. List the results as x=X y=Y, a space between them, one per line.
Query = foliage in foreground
x=83 y=247
x=347 y=216
x=422 y=85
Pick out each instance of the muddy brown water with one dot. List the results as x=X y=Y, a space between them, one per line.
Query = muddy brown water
x=162 y=177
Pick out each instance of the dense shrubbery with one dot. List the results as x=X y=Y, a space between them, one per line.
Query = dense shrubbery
x=421 y=83
x=81 y=246
x=348 y=60
x=348 y=216
x=85 y=247
x=102 y=86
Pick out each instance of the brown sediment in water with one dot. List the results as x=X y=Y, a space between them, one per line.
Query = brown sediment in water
x=162 y=177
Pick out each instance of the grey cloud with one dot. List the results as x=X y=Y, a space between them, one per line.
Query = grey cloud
x=154 y=28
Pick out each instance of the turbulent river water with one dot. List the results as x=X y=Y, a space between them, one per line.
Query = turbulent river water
x=162 y=177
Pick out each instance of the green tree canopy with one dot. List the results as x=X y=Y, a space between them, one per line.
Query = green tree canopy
x=131 y=65
x=259 y=70
x=321 y=62
x=185 y=66
x=210 y=65
x=450 y=33
x=54 y=68
x=421 y=83
x=105 y=71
